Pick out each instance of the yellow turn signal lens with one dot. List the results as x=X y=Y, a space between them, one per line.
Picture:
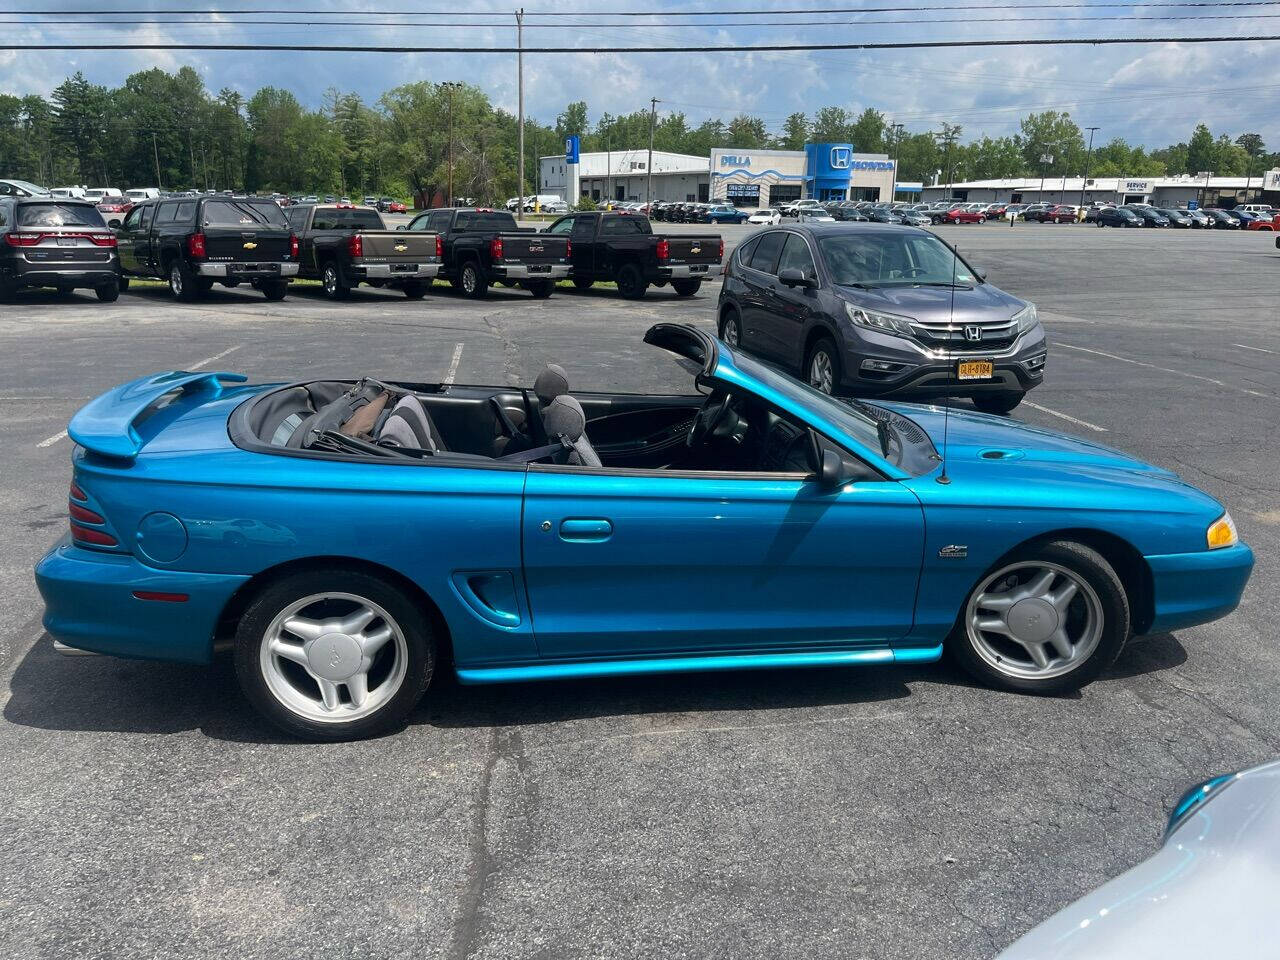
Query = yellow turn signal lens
x=1222 y=533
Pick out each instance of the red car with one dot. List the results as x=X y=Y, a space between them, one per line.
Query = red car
x=964 y=215
x=113 y=209
x=1062 y=213
x=1259 y=224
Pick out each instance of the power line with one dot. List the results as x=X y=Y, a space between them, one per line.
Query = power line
x=696 y=48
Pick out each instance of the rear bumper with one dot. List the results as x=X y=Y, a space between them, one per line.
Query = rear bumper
x=90 y=605
x=690 y=271
x=1193 y=588
x=249 y=271
x=521 y=271
x=71 y=276
x=385 y=271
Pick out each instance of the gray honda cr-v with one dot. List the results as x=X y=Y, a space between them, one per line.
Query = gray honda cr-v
x=880 y=310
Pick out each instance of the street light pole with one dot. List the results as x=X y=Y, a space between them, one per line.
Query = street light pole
x=648 y=187
x=895 y=131
x=1088 y=158
x=449 y=89
x=520 y=110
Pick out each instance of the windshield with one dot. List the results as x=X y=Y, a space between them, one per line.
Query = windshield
x=888 y=259
x=59 y=215
x=243 y=213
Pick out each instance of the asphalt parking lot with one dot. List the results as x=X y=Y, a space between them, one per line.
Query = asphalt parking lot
x=865 y=813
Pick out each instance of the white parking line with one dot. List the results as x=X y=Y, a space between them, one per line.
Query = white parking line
x=52 y=440
x=217 y=356
x=1176 y=373
x=1247 y=347
x=453 y=364
x=1064 y=416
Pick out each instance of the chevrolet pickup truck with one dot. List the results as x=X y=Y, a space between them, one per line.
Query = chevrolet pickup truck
x=622 y=247
x=482 y=247
x=198 y=241
x=343 y=246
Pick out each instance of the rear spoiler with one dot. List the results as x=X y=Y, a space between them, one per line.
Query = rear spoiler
x=105 y=424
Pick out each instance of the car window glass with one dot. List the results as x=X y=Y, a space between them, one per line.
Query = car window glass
x=584 y=227
x=59 y=215
x=484 y=220
x=796 y=256
x=437 y=222
x=186 y=212
x=134 y=218
x=297 y=217
x=765 y=256
x=165 y=213
x=4 y=217
x=746 y=250
x=243 y=213
x=621 y=226
x=562 y=226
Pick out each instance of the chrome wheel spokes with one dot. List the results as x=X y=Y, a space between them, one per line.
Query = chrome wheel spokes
x=820 y=372
x=1034 y=620
x=333 y=657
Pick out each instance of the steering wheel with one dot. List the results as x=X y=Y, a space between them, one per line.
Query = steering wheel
x=709 y=417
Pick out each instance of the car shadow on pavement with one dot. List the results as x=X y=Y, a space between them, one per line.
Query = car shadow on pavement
x=112 y=695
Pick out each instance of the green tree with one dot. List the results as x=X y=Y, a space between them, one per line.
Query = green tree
x=1201 y=151
x=1052 y=134
x=867 y=132
x=747 y=132
x=80 y=114
x=795 y=133
x=832 y=125
x=573 y=121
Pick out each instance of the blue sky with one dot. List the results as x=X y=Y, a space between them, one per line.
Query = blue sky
x=1148 y=94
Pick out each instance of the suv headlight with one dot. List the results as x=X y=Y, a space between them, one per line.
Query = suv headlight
x=1027 y=318
x=1222 y=533
x=884 y=322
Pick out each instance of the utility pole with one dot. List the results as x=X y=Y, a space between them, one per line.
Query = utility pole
x=1088 y=158
x=520 y=109
x=155 y=153
x=653 y=116
x=449 y=89
x=1045 y=160
x=896 y=131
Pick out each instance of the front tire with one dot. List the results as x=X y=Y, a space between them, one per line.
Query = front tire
x=731 y=329
x=334 y=655
x=1047 y=619
x=686 y=288
x=998 y=403
x=822 y=366
x=631 y=282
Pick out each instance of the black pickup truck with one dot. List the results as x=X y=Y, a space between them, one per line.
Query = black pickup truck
x=197 y=241
x=482 y=247
x=343 y=246
x=622 y=247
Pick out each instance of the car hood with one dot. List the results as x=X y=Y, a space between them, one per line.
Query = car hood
x=936 y=303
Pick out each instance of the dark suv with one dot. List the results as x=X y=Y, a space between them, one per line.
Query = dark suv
x=63 y=244
x=880 y=311
x=198 y=241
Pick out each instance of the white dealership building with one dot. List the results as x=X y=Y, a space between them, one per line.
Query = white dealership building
x=1205 y=191
x=623 y=175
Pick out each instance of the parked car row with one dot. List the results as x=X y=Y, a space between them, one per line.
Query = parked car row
x=687 y=212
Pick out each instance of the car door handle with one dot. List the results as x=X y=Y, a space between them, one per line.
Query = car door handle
x=586 y=530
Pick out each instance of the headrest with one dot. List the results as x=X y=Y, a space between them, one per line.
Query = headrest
x=564 y=418
x=551 y=383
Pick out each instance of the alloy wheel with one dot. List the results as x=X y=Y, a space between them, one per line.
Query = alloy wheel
x=330 y=280
x=1034 y=620
x=468 y=280
x=731 y=331
x=821 y=375
x=333 y=657
x=175 y=280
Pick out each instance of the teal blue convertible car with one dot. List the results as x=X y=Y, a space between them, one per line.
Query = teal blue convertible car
x=346 y=539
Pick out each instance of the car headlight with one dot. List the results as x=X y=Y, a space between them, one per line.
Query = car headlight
x=884 y=322
x=1193 y=799
x=1027 y=318
x=1222 y=533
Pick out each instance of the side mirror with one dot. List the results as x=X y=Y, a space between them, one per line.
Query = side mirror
x=831 y=473
x=791 y=277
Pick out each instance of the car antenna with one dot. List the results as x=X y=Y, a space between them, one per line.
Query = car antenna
x=946 y=405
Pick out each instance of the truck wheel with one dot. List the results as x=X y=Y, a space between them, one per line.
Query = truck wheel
x=335 y=287
x=631 y=282
x=582 y=283
x=415 y=291
x=108 y=292
x=541 y=289
x=122 y=282
x=685 y=288
x=472 y=281
x=182 y=282
x=203 y=284
x=274 y=289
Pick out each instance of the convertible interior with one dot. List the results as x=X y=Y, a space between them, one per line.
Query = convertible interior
x=545 y=423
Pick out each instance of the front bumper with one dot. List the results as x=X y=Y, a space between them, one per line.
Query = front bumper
x=1194 y=588
x=247 y=271
x=690 y=271
x=521 y=271
x=386 y=271
x=90 y=605
x=916 y=370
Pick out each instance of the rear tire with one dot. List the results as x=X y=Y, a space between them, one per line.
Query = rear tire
x=686 y=288
x=472 y=282
x=415 y=291
x=291 y=695
x=631 y=282
x=1094 y=620
x=582 y=283
x=182 y=282
x=334 y=284
x=108 y=292
x=541 y=289
x=998 y=403
x=274 y=289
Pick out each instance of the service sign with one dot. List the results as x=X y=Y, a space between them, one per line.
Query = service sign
x=1137 y=186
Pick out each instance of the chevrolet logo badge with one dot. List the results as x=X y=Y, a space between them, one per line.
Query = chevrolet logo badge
x=401 y=248
x=695 y=249
x=251 y=245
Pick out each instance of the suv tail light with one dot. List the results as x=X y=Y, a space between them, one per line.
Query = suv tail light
x=293 y=245
x=439 y=246
x=355 y=245
x=495 y=248
x=568 y=249
x=22 y=239
x=664 y=249
x=195 y=245
x=720 y=256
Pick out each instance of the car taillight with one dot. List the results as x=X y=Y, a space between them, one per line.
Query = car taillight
x=195 y=245
x=495 y=248
x=102 y=239
x=568 y=249
x=664 y=249
x=293 y=245
x=89 y=535
x=83 y=515
x=439 y=246
x=22 y=239
x=355 y=245
x=720 y=255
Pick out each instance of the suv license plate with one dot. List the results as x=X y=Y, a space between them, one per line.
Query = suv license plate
x=68 y=242
x=975 y=370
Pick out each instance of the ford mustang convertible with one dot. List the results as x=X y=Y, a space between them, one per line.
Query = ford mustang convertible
x=346 y=539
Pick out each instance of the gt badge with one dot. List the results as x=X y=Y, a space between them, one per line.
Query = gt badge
x=954 y=551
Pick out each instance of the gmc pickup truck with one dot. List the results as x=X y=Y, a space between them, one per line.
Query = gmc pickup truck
x=483 y=247
x=198 y=241
x=622 y=247
x=343 y=246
